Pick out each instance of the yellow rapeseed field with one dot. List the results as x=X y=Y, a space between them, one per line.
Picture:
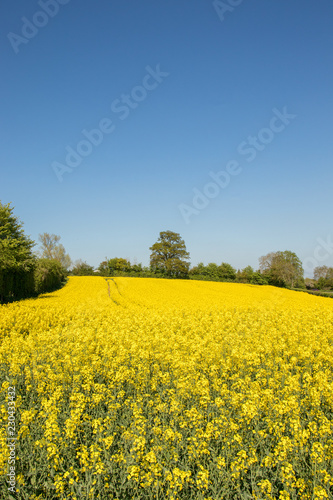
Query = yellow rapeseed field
x=133 y=388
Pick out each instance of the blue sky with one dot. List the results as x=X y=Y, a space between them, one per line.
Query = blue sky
x=180 y=91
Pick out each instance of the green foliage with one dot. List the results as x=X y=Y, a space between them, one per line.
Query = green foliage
x=245 y=275
x=82 y=269
x=310 y=284
x=49 y=275
x=51 y=249
x=258 y=279
x=103 y=269
x=202 y=273
x=213 y=272
x=322 y=294
x=323 y=277
x=322 y=272
x=122 y=267
x=169 y=256
x=118 y=267
x=137 y=269
x=282 y=269
x=17 y=261
x=22 y=275
x=226 y=272
x=315 y=292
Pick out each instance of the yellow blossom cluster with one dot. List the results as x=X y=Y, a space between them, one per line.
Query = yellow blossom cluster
x=168 y=389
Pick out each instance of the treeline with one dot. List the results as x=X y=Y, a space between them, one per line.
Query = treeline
x=25 y=274
x=225 y=272
x=169 y=260
x=118 y=267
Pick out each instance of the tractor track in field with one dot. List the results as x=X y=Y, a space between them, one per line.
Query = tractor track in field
x=109 y=290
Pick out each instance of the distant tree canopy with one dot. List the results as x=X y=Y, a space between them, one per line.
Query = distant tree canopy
x=282 y=269
x=118 y=265
x=82 y=269
x=245 y=275
x=323 y=277
x=323 y=272
x=122 y=267
x=169 y=255
x=226 y=273
x=17 y=261
x=213 y=272
x=248 y=275
x=51 y=249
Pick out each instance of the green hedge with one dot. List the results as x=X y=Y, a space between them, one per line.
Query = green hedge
x=49 y=275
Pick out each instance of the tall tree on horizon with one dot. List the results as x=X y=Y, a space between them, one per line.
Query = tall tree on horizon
x=169 y=255
x=282 y=268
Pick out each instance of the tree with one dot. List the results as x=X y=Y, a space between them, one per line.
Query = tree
x=17 y=261
x=49 y=275
x=137 y=269
x=103 y=269
x=323 y=276
x=320 y=272
x=211 y=271
x=51 y=249
x=82 y=269
x=118 y=265
x=245 y=275
x=282 y=269
x=169 y=255
x=226 y=272
x=258 y=279
x=121 y=267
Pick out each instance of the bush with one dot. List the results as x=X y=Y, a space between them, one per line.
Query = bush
x=212 y=272
x=49 y=275
x=258 y=279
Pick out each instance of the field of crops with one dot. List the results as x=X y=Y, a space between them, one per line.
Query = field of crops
x=166 y=389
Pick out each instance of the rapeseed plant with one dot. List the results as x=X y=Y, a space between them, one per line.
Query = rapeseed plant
x=168 y=389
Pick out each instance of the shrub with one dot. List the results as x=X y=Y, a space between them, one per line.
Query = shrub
x=49 y=275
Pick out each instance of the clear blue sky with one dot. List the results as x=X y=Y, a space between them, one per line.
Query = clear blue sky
x=92 y=64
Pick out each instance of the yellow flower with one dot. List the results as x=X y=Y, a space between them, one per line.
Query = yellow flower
x=147 y=380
